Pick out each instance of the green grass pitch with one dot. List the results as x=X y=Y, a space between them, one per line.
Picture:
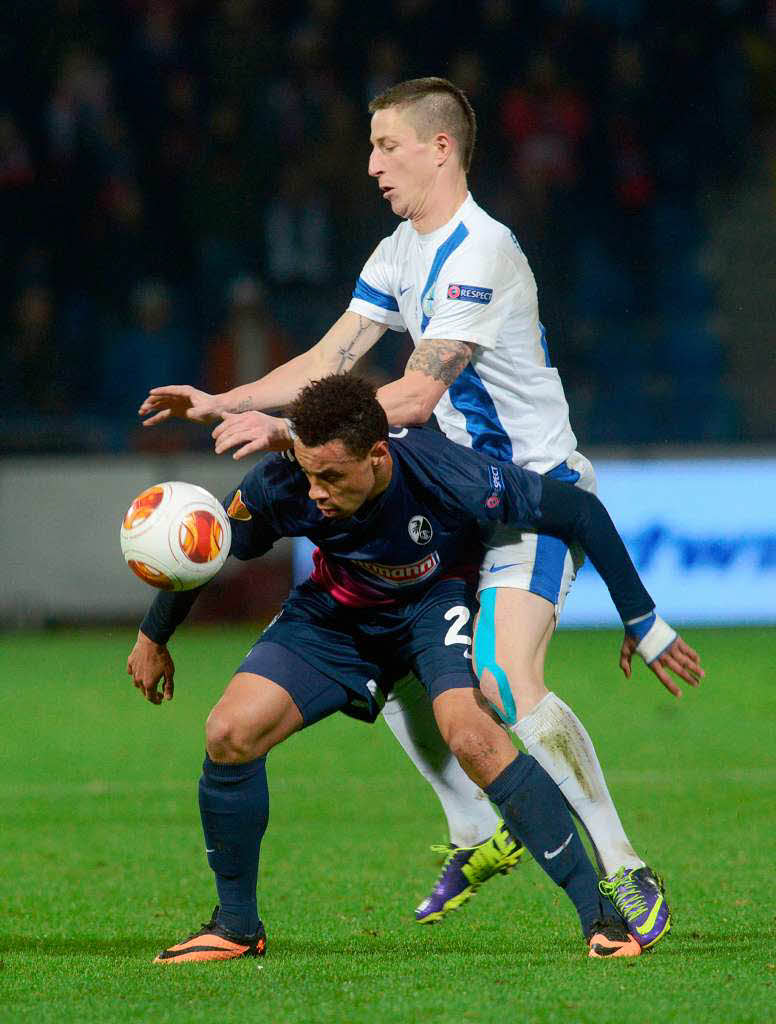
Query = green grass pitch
x=102 y=864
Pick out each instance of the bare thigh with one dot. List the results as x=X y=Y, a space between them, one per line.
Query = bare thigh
x=253 y=715
x=515 y=641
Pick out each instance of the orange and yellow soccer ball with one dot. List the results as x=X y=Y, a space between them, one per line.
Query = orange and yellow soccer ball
x=175 y=536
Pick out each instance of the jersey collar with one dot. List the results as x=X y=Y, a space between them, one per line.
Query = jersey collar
x=436 y=237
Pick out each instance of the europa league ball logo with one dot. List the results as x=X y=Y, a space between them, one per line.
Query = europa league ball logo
x=419 y=529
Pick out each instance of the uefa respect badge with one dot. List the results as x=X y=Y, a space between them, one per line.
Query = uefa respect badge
x=470 y=293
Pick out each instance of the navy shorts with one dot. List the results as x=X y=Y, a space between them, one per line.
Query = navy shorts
x=331 y=657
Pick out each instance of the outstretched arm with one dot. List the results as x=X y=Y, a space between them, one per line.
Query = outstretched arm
x=411 y=399
x=523 y=498
x=580 y=516
x=577 y=515
x=344 y=343
x=337 y=351
x=430 y=370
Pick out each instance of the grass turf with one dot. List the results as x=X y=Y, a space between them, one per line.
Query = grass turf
x=102 y=865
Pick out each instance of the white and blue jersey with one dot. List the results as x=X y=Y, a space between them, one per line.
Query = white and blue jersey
x=470 y=281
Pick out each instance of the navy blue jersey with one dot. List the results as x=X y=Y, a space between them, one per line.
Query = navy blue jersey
x=426 y=526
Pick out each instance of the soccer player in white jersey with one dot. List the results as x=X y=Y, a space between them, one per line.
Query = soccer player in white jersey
x=458 y=281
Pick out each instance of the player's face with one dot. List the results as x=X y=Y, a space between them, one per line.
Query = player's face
x=405 y=167
x=340 y=482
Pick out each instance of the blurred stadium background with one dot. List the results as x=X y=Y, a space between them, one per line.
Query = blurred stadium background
x=184 y=198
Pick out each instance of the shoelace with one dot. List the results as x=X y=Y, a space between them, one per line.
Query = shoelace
x=207 y=926
x=480 y=858
x=446 y=848
x=501 y=839
x=624 y=894
x=450 y=851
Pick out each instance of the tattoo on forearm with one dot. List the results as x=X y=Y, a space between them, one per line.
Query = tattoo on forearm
x=440 y=360
x=349 y=352
x=244 y=405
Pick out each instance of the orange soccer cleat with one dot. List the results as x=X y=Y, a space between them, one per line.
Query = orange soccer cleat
x=610 y=937
x=213 y=942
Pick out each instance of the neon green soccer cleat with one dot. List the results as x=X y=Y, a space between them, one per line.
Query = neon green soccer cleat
x=639 y=896
x=464 y=871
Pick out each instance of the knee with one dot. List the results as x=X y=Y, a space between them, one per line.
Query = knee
x=513 y=694
x=481 y=750
x=499 y=695
x=225 y=741
x=463 y=741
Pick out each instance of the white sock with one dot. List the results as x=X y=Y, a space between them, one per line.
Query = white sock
x=410 y=717
x=554 y=735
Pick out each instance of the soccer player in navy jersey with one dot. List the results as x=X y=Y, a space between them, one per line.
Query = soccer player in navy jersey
x=458 y=281
x=398 y=524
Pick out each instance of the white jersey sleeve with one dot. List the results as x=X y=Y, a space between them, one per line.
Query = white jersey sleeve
x=473 y=296
x=375 y=294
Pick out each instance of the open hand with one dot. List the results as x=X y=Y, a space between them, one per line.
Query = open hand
x=181 y=401
x=678 y=658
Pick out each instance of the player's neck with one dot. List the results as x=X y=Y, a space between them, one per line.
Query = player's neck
x=441 y=206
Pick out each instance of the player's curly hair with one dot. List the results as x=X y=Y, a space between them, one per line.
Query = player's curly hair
x=436 y=105
x=340 y=407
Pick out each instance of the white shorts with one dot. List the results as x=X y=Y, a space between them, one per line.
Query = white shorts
x=537 y=562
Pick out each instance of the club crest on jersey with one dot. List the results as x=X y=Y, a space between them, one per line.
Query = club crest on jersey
x=400 y=575
x=427 y=304
x=419 y=528
x=470 y=293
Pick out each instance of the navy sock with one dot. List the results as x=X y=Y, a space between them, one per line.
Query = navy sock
x=536 y=813
x=234 y=806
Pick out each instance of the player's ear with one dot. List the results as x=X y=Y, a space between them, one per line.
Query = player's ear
x=378 y=452
x=443 y=146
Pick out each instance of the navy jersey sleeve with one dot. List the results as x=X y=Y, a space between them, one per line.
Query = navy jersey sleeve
x=252 y=535
x=168 y=610
x=577 y=515
x=491 y=491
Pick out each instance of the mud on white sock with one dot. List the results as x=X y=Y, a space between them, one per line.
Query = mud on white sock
x=554 y=735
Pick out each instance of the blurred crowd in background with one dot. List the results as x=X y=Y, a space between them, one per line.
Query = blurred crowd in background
x=184 y=199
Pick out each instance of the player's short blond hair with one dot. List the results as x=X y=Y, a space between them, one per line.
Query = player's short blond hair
x=435 y=105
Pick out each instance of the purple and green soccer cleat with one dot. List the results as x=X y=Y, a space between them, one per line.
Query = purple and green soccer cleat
x=464 y=871
x=639 y=896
